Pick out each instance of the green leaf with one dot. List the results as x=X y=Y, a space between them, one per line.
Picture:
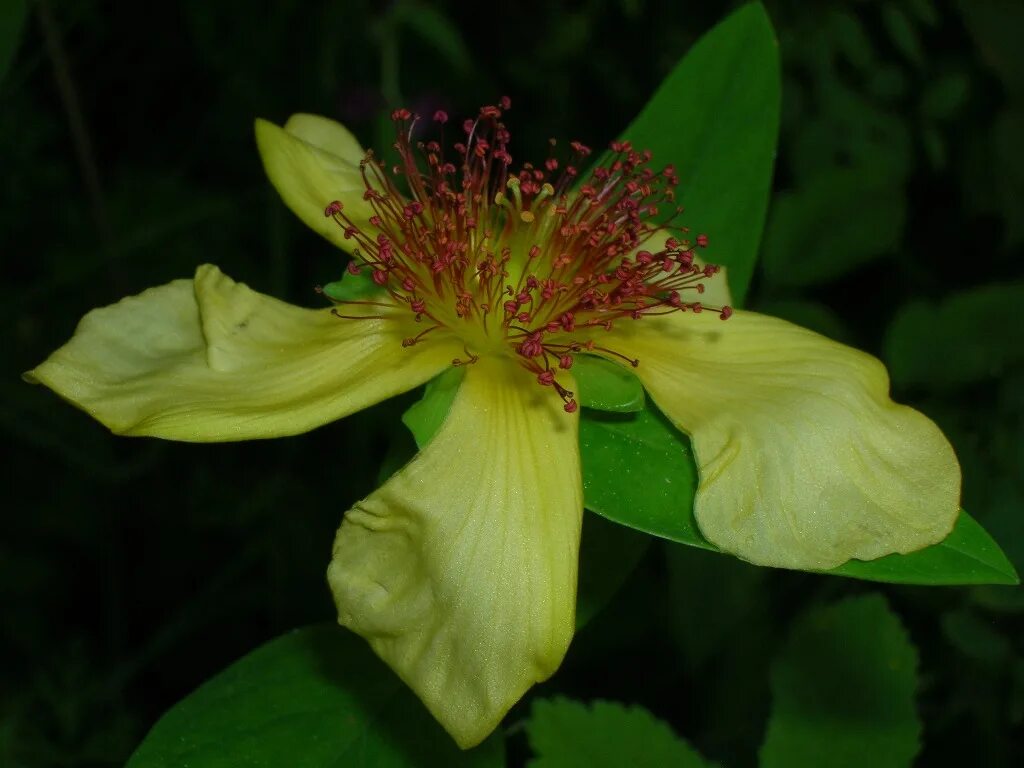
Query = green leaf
x=608 y=555
x=426 y=415
x=903 y=34
x=606 y=386
x=569 y=734
x=972 y=336
x=843 y=691
x=638 y=470
x=716 y=118
x=313 y=697
x=946 y=96
x=12 y=19
x=967 y=556
x=437 y=30
x=811 y=236
x=353 y=287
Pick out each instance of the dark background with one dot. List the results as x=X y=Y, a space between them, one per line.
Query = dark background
x=131 y=570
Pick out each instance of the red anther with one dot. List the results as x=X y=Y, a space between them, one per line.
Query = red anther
x=460 y=148
x=467 y=125
x=644 y=257
x=333 y=209
x=702 y=241
x=408 y=342
x=570 y=406
x=697 y=307
x=490 y=111
x=375 y=220
x=350 y=232
x=568 y=322
x=547 y=378
x=505 y=102
x=409 y=284
x=685 y=259
x=352 y=268
x=551 y=164
x=511 y=307
x=711 y=269
x=401 y=114
x=441 y=117
x=418 y=306
x=380 y=277
x=565 y=362
x=700 y=287
x=523 y=317
x=412 y=210
x=726 y=312
x=534 y=253
x=579 y=148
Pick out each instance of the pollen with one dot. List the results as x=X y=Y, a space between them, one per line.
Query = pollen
x=539 y=263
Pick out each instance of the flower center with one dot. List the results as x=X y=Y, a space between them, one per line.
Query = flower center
x=533 y=263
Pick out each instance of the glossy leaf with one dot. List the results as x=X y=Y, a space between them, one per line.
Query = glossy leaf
x=313 y=697
x=716 y=118
x=605 y=386
x=353 y=287
x=638 y=470
x=843 y=691
x=967 y=556
x=569 y=734
x=424 y=417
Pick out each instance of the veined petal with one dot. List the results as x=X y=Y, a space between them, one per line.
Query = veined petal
x=210 y=360
x=804 y=460
x=309 y=177
x=326 y=134
x=461 y=569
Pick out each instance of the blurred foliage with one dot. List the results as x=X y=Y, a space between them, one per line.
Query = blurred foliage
x=132 y=571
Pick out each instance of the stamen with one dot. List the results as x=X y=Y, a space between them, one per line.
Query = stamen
x=527 y=262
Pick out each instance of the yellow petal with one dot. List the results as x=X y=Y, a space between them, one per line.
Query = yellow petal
x=326 y=134
x=804 y=460
x=309 y=177
x=461 y=569
x=210 y=360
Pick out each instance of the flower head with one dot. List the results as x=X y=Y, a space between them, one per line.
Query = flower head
x=461 y=569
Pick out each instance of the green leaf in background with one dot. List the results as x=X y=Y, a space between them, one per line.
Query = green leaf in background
x=606 y=386
x=813 y=234
x=437 y=30
x=638 y=470
x=569 y=734
x=608 y=555
x=12 y=19
x=424 y=417
x=716 y=118
x=843 y=691
x=967 y=556
x=972 y=336
x=313 y=697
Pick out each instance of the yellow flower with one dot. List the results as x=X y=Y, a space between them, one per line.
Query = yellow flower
x=461 y=569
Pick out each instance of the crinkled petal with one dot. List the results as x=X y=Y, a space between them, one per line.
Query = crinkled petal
x=461 y=569
x=210 y=360
x=309 y=177
x=804 y=460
